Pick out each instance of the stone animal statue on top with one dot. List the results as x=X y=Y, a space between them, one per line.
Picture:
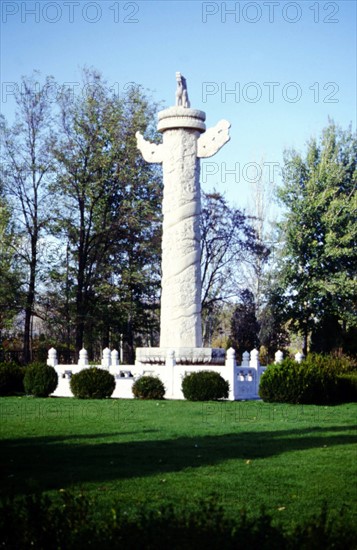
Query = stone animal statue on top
x=181 y=92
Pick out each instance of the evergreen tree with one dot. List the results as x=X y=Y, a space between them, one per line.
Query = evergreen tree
x=244 y=324
x=273 y=334
x=318 y=266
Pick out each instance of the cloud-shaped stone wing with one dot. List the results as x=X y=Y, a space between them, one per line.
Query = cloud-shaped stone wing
x=213 y=139
x=150 y=151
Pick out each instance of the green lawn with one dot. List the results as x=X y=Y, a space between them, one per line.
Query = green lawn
x=289 y=458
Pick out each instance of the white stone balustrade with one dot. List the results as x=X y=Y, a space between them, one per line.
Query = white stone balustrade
x=170 y=358
x=244 y=379
x=254 y=359
x=106 y=359
x=231 y=358
x=83 y=358
x=115 y=358
x=52 y=360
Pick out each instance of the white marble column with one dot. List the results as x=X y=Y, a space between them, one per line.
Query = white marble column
x=183 y=145
x=181 y=271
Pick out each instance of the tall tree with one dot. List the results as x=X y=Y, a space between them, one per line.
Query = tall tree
x=27 y=161
x=228 y=242
x=318 y=265
x=273 y=334
x=263 y=219
x=228 y=239
x=244 y=324
x=109 y=212
x=10 y=273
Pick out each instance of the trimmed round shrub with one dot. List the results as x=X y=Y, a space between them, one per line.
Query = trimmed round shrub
x=92 y=383
x=11 y=379
x=204 y=386
x=148 y=387
x=291 y=382
x=40 y=380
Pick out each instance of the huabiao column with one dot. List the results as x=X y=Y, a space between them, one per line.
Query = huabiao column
x=184 y=143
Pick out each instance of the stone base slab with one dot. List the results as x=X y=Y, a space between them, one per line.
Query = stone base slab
x=181 y=356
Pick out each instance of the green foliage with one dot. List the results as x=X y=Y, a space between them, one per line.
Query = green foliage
x=331 y=363
x=190 y=449
x=11 y=379
x=244 y=324
x=77 y=193
x=317 y=275
x=314 y=381
x=148 y=387
x=108 y=212
x=26 y=153
x=280 y=383
x=72 y=521
x=204 y=386
x=10 y=274
x=92 y=383
x=347 y=387
x=273 y=334
x=40 y=380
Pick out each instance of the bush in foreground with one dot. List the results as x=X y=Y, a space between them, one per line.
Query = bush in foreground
x=148 y=387
x=317 y=380
x=73 y=521
x=347 y=387
x=40 y=380
x=204 y=386
x=92 y=383
x=11 y=379
x=333 y=364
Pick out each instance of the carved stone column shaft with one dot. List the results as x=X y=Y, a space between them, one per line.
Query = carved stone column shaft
x=181 y=273
x=182 y=147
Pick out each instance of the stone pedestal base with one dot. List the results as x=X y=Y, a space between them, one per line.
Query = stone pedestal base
x=180 y=356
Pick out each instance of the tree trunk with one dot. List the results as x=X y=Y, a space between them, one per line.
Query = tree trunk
x=79 y=327
x=129 y=351
x=30 y=299
x=306 y=335
x=79 y=314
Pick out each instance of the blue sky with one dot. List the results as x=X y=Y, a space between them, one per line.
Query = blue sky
x=275 y=70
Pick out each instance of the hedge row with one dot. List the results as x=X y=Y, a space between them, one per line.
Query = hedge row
x=11 y=379
x=95 y=383
x=317 y=380
x=70 y=521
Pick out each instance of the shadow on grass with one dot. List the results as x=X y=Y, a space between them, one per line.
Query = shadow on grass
x=53 y=463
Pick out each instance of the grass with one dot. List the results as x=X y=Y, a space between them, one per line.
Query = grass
x=288 y=458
